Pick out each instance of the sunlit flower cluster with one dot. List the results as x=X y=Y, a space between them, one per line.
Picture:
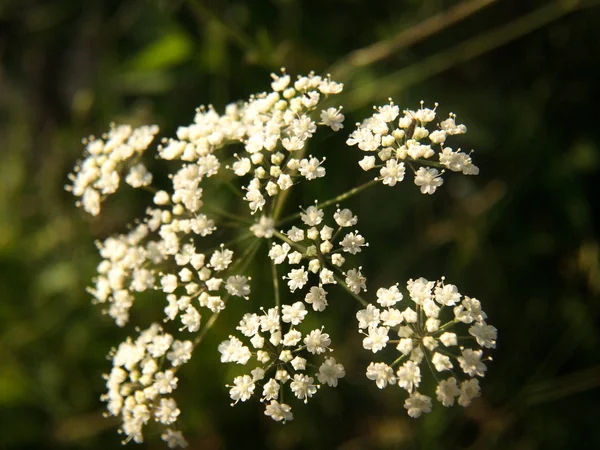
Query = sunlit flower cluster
x=276 y=127
x=451 y=350
x=318 y=252
x=405 y=140
x=280 y=354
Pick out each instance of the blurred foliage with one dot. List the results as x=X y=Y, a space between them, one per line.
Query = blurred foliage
x=522 y=237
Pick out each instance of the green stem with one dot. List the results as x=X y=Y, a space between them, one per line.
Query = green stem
x=340 y=198
x=211 y=321
x=291 y=243
x=275 y=284
x=397 y=361
x=229 y=243
x=223 y=213
x=360 y=300
x=401 y=80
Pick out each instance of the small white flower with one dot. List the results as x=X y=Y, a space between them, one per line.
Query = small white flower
x=405 y=346
x=352 y=243
x=388 y=297
x=293 y=314
x=279 y=411
x=174 y=439
x=249 y=324
x=438 y=136
x=238 y=285
x=270 y=390
x=313 y=216
x=284 y=181
x=409 y=375
x=484 y=334
x=333 y=118
x=470 y=362
x=295 y=257
x=392 y=173
x=191 y=319
x=242 y=166
x=367 y=163
x=295 y=234
x=428 y=179
x=330 y=372
x=447 y=391
x=317 y=342
x=355 y=280
x=317 y=298
x=469 y=389
x=243 y=388
x=278 y=253
x=441 y=362
x=311 y=169
x=303 y=387
x=297 y=278
x=368 y=317
x=326 y=276
x=376 y=339
x=345 y=218
x=417 y=404
x=298 y=363
x=291 y=338
x=169 y=283
x=221 y=259
x=381 y=373
x=449 y=339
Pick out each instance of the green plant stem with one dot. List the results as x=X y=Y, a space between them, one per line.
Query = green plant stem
x=400 y=80
x=357 y=297
x=223 y=213
x=340 y=198
x=397 y=361
x=275 y=284
x=380 y=50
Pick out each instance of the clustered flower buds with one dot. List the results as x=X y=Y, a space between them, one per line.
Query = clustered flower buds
x=99 y=173
x=177 y=251
x=141 y=381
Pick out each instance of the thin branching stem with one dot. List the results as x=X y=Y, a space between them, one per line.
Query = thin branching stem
x=340 y=198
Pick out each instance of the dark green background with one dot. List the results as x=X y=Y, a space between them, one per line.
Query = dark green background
x=522 y=237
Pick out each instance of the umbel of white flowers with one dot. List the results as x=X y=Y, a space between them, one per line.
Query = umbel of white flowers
x=167 y=251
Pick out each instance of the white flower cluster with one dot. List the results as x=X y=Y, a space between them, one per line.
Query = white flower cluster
x=276 y=127
x=141 y=382
x=176 y=251
x=130 y=263
x=315 y=246
x=104 y=160
x=408 y=139
x=273 y=127
x=124 y=271
x=279 y=359
x=197 y=280
x=423 y=340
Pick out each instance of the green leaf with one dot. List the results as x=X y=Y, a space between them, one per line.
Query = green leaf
x=169 y=50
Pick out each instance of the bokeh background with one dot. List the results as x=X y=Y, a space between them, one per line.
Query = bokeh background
x=522 y=237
